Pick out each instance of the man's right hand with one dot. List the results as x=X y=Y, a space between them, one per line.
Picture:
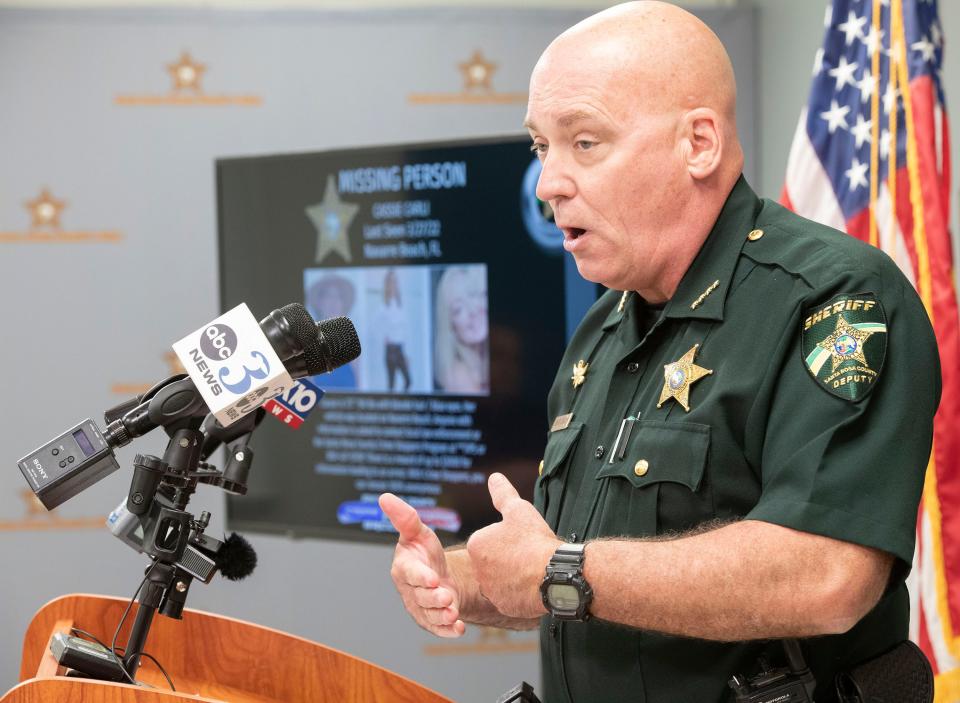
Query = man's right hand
x=427 y=588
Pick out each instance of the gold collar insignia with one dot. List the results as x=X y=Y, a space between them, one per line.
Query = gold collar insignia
x=579 y=373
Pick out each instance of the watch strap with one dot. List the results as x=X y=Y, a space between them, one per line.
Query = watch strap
x=569 y=554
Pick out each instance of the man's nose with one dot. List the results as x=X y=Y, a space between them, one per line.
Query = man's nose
x=555 y=179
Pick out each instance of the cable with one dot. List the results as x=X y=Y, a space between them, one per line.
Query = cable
x=116 y=634
x=118 y=650
x=84 y=633
x=159 y=666
x=94 y=638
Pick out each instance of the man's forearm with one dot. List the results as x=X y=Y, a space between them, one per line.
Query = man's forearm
x=474 y=608
x=746 y=580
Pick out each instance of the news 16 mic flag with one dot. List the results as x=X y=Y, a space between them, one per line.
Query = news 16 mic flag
x=871 y=157
x=233 y=365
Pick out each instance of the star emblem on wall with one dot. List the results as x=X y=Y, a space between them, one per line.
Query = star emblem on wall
x=45 y=210
x=186 y=73
x=332 y=218
x=846 y=343
x=679 y=376
x=477 y=72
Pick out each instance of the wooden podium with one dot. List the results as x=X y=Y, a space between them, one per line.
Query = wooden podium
x=211 y=659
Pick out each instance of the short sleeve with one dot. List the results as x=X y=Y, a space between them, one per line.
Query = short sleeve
x=849 y=463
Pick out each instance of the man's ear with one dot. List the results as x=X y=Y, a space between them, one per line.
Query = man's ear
x=701 y=142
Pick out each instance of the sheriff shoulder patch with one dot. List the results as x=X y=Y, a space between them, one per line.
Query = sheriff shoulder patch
x=844 y=343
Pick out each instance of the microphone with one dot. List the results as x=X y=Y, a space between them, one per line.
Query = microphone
x=236 y=363
x=334 y=344
x=203 y=555
x=236 y=559
x=290 y=331
x=300 y=346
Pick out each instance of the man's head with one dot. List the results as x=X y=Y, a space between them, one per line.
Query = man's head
x=632 y=112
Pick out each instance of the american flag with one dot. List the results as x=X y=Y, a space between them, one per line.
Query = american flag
x=871 y=157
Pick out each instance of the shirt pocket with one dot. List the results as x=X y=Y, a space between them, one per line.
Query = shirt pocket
x=548 y=490
x=658 y=487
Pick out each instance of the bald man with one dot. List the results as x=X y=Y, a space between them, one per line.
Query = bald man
x=739 y=428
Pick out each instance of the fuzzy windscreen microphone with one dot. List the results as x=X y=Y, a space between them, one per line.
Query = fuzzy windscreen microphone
x=236 y=559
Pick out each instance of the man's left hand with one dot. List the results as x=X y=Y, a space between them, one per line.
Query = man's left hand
x=510 y=557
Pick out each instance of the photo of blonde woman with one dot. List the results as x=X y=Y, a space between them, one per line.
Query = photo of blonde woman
x=461 y=331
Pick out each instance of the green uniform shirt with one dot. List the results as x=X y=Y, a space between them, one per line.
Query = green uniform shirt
x=817 y=414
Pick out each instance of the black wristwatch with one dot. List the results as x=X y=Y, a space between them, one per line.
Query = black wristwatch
x=564 y=590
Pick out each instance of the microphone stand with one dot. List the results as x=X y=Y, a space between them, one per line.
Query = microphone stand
x=169 y=483
x=148 y=600
x=170 y=535
x=161 y=488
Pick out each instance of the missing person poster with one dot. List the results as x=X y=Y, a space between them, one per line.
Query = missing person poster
x=454 y=276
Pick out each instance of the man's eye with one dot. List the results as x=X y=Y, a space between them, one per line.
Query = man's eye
x=538 y=149
x=585 y=145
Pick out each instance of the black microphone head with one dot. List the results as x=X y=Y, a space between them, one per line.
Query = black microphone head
x=338 y=344
x=236 y=559
x=289 y=330
x=302 y=326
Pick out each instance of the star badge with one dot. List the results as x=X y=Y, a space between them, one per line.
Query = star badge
x=332 y=219
x=45 y=210
x=579 y=373
x=846 y=343
x=477 y=72
x=679 y=376
x=186 y=73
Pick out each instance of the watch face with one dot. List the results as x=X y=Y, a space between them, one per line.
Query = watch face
x=563 y=596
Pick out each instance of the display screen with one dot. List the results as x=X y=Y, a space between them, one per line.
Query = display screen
x=563 y=596
x=83 y=442
x=455 y=278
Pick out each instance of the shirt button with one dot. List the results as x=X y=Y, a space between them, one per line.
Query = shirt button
x=641 y=467
x=553 y=629
x=573 y=537
x=600 y=452
x=633 y=367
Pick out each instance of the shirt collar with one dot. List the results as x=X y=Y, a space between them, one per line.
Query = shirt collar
x=702 y=291
x=613 y=319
